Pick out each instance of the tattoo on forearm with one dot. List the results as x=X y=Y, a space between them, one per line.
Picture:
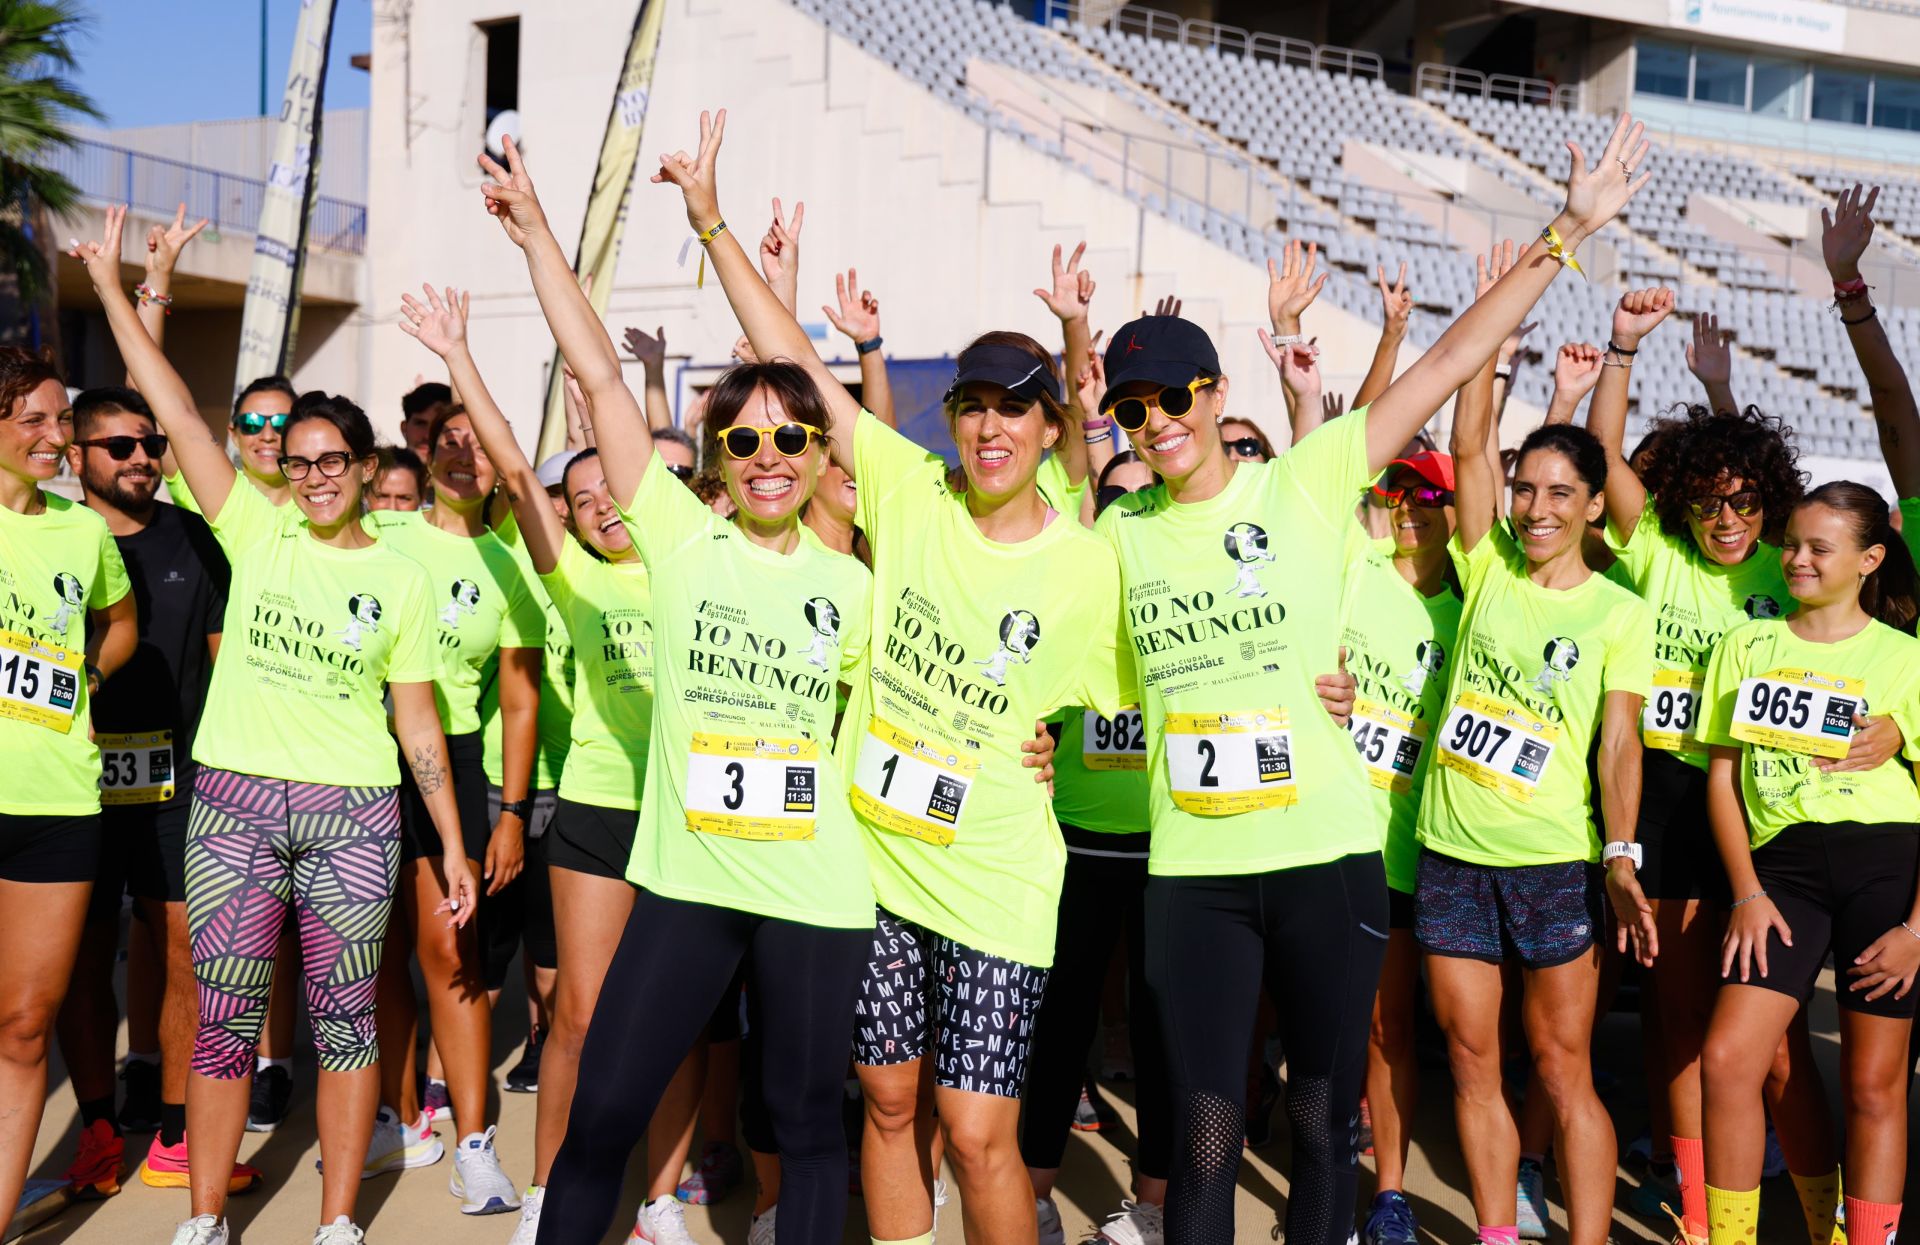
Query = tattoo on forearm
x=428 y=774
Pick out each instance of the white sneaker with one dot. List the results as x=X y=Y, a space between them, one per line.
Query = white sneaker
x=478 y=1181
x=662 y=1222
x=1135 y=1223
x=761 y=1230
x=340 y=1232
x=395 y=1147
x=939 y=1200
x=201 y=1230
x=1051 y=1231
x=528 y=1229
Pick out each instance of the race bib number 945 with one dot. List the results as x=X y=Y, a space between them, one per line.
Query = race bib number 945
x=1670 y=719
x=752 y=786
x=1116 y=743
x=1219 y=764
x=1799 y=711
x=1389 y=743
x=136 y=769
x=39 y=684
x=912 y=786
x=1497 y=745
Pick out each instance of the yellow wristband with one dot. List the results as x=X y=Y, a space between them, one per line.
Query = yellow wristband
x=1557 y=248
x=719 y=227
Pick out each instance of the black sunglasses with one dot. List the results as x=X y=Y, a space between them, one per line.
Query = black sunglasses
x=1745 y=503
x=1246 y=447
x=332 y=466
x=1175 y=402
x=743 y=441
x=253 y=423
x=120 y=449
x=680 y=471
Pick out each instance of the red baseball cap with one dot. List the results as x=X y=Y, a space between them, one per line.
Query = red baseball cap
x=1432 y=466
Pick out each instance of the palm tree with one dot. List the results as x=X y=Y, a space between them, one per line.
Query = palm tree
x=37 y=104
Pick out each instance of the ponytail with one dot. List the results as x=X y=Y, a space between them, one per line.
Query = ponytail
x=1889 y=592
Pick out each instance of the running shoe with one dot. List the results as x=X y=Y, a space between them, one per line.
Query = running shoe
x=760 y=1232
x=1366 y=1127
x=1775 y=1163
x=662 y=1222
x=341 y=1231
x=434 y=1099
x=165 y=1167
x=1640 y=1150
x=1680 y=1234
x=201 y=1230
x=394 y=1147
x=1085 y=1118
x=1260 y=1114
x=272 y=1095
x=1135 y=1223
x=527 y=1231
x=478 y=1181
x=140 y=1111
x=524 y=1077
x=1530 y=1199
x=714 y=1176
x=1659 y=1184
x=1390 y=1222
x=1116 y=1058
x=939 y=1200
x=1048 y=1215
x=95 y=1171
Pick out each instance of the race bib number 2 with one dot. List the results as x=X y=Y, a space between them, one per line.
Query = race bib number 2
x=1799 y=711
x=1670 y=719
x=1497 y=745
x=136 y=769
x=1219 y=764
x=39 y=684
x=1116 y=743
x=752 y=786
x=912 y=786
x=1389 y=743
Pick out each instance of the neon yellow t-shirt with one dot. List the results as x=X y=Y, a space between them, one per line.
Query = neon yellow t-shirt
x=1694 y=600
x=608 y=608
x=54 y=567
x=483 y=604
x=183 y=497
x=1100 y=772
x=1401 y=649
x=556 y=684
x=1779 y=785
x=744 y=806
x=1233 y=609
x=313 y=636
x=1509 y=783
x=974 y=642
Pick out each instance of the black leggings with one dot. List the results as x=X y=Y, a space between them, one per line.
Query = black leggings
x=1316 y=936
x=686 y=954
x=1101 y=893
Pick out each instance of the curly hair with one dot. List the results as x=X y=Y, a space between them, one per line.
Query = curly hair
x=1711 y=446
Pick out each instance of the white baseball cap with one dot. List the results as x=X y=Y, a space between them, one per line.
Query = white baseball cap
x=553 y=472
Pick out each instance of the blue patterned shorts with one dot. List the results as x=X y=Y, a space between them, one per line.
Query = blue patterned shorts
x=1545 y=915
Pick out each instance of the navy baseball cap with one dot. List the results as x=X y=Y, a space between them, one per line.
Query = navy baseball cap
x=1166 y=350
x=1009 y=367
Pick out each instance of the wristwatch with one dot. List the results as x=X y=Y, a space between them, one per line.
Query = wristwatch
x=1614 y=851
x=868 y=346
x=523 y=809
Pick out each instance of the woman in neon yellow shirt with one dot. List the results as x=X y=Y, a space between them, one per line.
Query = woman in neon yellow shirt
x=1819 y=861
x=296 y=799
x=60 y=573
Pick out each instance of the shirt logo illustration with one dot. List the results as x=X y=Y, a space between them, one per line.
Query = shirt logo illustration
x=824 y=617
x=1019 y=636
x=1760 y=606
x=1246 y=544
x=1429 y=658
x=72 y=596
x=363 y=616
x=1558 y=660
x=462 y=598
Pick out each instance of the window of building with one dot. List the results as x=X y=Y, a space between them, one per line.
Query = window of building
x=1896 y=103
x=1840 y=95
x=1719 y=77
x=1661 y=69
x=1779 y=88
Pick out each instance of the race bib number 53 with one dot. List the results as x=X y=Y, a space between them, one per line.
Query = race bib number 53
x=1799 y=711
x=136 y=769
x=752 y=786
x=39 y=683
x=912 y=786
x=1497 y=745
x=1219 y=764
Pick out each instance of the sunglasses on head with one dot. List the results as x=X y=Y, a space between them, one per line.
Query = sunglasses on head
x=332 y=466
x=1428 y=495
x=253 y=423
x=1245 y=447
x=120 y=449
x=680 y=471
x=1745 y=503
x=1175 y=402
x=742 y=441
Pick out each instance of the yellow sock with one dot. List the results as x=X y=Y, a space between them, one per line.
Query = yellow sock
x=925 y=1238
x=1732 y=1218
x=1819 y=1199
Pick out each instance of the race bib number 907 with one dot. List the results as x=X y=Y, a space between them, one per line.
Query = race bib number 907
x=1799 y=711
x=1219 y=764
x=752 y=786
x=1497 y=745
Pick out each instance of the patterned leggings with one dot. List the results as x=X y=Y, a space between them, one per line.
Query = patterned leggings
x=254 y=845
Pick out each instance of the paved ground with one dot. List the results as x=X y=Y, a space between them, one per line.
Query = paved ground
x=415 y=1206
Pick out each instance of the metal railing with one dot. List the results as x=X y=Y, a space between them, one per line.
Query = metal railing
x=1453 y=80
x=108 y=174
x=1149 y=23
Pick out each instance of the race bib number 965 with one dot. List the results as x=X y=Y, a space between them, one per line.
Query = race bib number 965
x=39 y=683
x=136 y=769
x=752 y=786
x=1497 y=745
x=1116 y=743
x=1389 y=743
x=1219 y=764
x=912 y=786
x=1799 y=711
x=1670 y=719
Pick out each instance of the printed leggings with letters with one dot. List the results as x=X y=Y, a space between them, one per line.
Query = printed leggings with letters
x=804 y=978
x=255 y=847
x=1315 y=936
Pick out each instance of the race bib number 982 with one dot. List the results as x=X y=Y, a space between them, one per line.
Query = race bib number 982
x=1116 y=743
x=1497 y=745
x=1219 y=764
x=752 y=786
x=1799 y=711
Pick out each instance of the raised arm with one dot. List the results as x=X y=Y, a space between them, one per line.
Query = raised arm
x=1090 y=387
x=625 y=444
x=1299 y=366
x=858 y=317
x=1595 y=196
x=1848 y=228
x=1069 y=300
x=1478 y=483
x=1638 y=314
x=780 y=255
x=1710 y=359
x=1512 y=357
x=651 y=351
x=1576 y=370
x=204 y=464
x=1396 y=305
x=1291 y=289
x=164 y=244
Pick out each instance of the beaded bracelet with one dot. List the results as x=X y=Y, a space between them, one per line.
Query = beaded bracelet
x=1749 y=899
x=144 y=294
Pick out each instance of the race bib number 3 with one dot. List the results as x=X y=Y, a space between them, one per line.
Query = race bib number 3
x=1116 y=743
x=1799 y=711
x=39 y=683
x=1497 y=745
x=912 y=786
x=1389 y=742
x=136 y=769
x=1219 y=764
x=752 y=786
x=1670 y=719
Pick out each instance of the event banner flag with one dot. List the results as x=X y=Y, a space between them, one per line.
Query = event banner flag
x=607 y=206
x=272 y=309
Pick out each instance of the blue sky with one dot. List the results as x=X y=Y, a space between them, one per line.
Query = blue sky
x=147 y=63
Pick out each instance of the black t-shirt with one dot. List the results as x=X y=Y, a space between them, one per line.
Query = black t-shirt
x=180 y=580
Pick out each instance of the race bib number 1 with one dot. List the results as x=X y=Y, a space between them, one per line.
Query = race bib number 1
x=1116 y=743
x=1497 y=745
x=1219 y=764
x=1670 y=719
x=1799 y=711
x=1389 y=743
x=752 y=786
x=136 y=769
x=912 y=786
x=39 y=683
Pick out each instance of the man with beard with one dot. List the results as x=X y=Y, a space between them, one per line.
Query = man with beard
x=144 y=724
